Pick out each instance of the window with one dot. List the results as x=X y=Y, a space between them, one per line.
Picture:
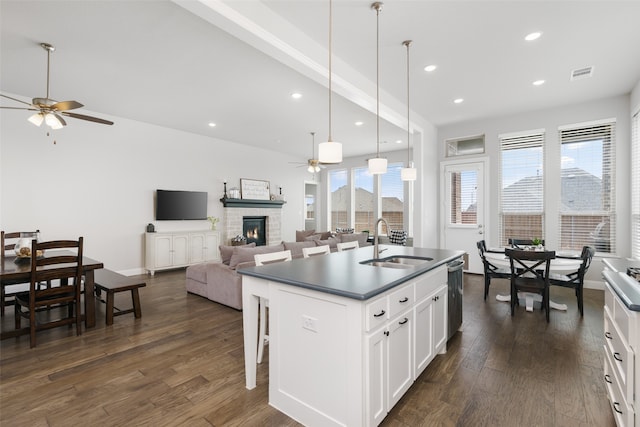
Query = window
x=392 y=193
x=364 y=202
x=340 y=196
x=635 y=186
x=587 y=193
x=463 y=190
x=522 y=184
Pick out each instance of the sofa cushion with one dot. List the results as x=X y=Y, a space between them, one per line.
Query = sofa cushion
x=296 y=247
x=361 y=238
x=245 y=253
x=227 y=251
x=331 y=242
x=198 y=272
x=301 y=235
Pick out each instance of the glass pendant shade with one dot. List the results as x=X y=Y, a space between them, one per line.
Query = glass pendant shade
x=36 y=119
x=408 y=174
x=377 y=166
x=330 y=152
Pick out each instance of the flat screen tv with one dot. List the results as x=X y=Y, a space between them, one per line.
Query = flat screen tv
x=180 y=205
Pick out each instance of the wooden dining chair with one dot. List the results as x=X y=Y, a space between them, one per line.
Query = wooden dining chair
x=490 y=271
x=530 y=273
x=575 y=280
x=317 y=250
x=66 y=266
x=8 y=288
x=347 y=246
x=263 y=336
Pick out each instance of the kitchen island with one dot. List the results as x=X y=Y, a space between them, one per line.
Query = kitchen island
x=346 y=339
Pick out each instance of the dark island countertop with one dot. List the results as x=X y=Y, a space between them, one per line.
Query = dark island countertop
x=341 y=273
x=627 y=288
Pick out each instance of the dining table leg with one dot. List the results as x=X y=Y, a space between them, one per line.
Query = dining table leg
x=89 y=300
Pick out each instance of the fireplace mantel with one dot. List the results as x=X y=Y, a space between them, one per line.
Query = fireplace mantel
x=250 y=203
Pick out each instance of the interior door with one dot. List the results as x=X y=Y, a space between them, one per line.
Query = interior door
x=463 y=213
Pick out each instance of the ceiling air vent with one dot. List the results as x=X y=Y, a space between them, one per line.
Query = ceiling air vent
x=582 y=73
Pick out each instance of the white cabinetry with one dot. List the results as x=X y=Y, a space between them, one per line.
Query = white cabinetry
x=180 y=249
x=621 y=331
x=404 y=331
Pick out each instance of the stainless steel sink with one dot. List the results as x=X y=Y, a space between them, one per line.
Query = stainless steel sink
x=398 y=261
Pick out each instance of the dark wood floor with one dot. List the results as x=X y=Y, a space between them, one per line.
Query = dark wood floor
x=182 y=364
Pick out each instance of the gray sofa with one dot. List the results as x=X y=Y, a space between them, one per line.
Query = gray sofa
x=220 y=281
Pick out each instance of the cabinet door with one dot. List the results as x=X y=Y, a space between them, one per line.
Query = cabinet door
x=376 y=376
x=440 y=321
x=180 y=251
x=196 y=248
x=211 y=243
x=399 y=357
x=162 y=247
x=423 y=352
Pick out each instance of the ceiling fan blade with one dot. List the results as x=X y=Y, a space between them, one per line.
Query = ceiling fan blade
x=83 y=117
x=66 y=105
x=20 y=108
x=14 y=99
x=60 y=118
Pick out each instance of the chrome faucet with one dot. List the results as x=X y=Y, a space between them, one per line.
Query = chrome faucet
x=376 y=251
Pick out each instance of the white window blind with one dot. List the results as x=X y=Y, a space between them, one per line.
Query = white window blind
x=392 y=193
x=635 y=186
x=522 y=186
x=364 y=201
x=339 y=200
x=587 y=193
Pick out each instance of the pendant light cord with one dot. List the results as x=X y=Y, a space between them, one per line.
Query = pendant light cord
x=378 y=6
x=330 y=42
x=407 y=43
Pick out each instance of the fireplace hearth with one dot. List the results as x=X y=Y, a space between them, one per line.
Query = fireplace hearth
x=254 y=229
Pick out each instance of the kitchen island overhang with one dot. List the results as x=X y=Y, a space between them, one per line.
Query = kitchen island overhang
x=331 y=326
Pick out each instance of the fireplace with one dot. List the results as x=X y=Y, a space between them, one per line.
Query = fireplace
x=254 y=229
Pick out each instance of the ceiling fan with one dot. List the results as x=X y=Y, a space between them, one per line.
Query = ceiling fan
x=313 y=164
x=50 y=111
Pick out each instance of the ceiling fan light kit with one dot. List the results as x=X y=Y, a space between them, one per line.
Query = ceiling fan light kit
x=377 y=166
x=409 y=173
x=330 y=151
x=50 y=111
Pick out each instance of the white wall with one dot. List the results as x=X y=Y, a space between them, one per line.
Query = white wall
x=550 y=120
x=99 y=181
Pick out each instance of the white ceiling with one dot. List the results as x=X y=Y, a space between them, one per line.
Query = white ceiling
x=185 y=63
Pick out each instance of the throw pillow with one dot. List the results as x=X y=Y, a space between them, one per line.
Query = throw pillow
x=344 y=230
x=227 y=251
x=398 y=237
x=246 y=253
x=301 y=235
x=331 y=242
x=361 y=238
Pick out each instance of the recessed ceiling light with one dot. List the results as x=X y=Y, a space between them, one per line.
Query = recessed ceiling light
x=430 y=68
x=533 y=36
x=212 y=125
x=296 y=95
x=538 y=83
x=359 y=123
x=458 y=101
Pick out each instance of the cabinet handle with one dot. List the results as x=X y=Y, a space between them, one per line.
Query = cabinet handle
x=615 y=407
x=608 y=335
x=386 y=333
x=403 y=321
x=616 y=356
x=607 y=378
x=405 y=299
x=436 y=298
x=379 y=314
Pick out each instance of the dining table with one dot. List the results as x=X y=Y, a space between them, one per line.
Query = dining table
x=15 y=268
x=565 y=262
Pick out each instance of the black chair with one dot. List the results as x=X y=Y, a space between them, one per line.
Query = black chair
x=8 y=241
x=530 y=273
x=522 y=243
x=490 y=270
x=65 y=266
x=575 y=280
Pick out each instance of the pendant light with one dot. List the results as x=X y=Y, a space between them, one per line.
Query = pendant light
x=330 y=151
x=409 y=173
x=377 y=165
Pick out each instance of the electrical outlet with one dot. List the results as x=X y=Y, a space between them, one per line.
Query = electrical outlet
x=309 y=323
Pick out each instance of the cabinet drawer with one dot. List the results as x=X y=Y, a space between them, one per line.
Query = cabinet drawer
x=377 y=313
x=621 y=356
x=622 y=411
x=622 y=317
x=401 y=299
x=431 y=281
x=609 y=297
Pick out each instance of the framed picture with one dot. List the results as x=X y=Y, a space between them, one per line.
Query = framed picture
x=254 y=189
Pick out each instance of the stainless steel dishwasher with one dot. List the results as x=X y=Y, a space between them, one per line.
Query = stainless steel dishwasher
x=454 y=269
